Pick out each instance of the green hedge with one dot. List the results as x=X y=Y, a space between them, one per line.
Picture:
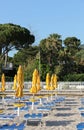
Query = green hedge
x=74 y=77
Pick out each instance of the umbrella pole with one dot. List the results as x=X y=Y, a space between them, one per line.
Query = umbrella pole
x=55 y=94
x=47 y=98
x=51 y=97
x=40 y=101
x=3 y=100
x=14 y=94
x=32 y=106
x=18 y=112
x=19 y=100
x=33 y=103
x=33 y=95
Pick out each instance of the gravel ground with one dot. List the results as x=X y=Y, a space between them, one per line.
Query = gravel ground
x=64 y=116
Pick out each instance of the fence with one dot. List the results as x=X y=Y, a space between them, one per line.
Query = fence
x=61 y=85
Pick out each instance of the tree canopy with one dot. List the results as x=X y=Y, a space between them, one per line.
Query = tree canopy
x=14 y=36
x=65 y=57
x=72 y=44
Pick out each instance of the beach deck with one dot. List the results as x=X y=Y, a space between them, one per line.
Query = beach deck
x=63 y=116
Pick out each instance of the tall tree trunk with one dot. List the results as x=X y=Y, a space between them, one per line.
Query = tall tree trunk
x=0 y=50
x=6 y=56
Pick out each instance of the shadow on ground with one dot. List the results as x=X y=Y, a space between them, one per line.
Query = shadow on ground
x=59 y=123
x=67 y=108
x=64 y=114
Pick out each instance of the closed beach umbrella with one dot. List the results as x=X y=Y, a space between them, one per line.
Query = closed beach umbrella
x=3 y=83
x=15 y=83
x=48 y=81
x=20 y=77
x=52 y=83
x=20 y=86
x=20 y=82
x=33 y=88
x=2 y=89
x=39 y=87
x=38 y=83
x=55 y=81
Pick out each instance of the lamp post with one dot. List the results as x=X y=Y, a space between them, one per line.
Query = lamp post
x=39 y=61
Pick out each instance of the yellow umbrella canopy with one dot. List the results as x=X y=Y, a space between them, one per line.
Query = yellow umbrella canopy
x=55 y=81
x=34 y=82
x=38 y=83
x=20 y=77
x=35 y=75
x=3 y=83
x=20 y=82
x=52 y=82
x=15 y=82
x=19 y=92
x=33 y=89
x=48 y=81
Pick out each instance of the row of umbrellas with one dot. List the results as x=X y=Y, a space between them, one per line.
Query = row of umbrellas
x=51 y=82
x=36 y=86
x=18 y=83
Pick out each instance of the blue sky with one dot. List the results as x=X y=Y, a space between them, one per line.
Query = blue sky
x=45 y=17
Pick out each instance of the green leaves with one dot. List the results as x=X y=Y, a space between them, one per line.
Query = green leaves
x=12 y=35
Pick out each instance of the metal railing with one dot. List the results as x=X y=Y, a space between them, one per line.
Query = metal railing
x=61 y=85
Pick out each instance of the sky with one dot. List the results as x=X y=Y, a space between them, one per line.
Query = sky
x=45 y=17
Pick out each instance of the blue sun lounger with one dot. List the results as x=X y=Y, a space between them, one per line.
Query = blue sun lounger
x=80 y=126
x=59 y=99
x=44 y=109
x=30 y=103
x=22 y=108
x=81 y=109
x=21 y=126
x=49 y=104
x=7 y=116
